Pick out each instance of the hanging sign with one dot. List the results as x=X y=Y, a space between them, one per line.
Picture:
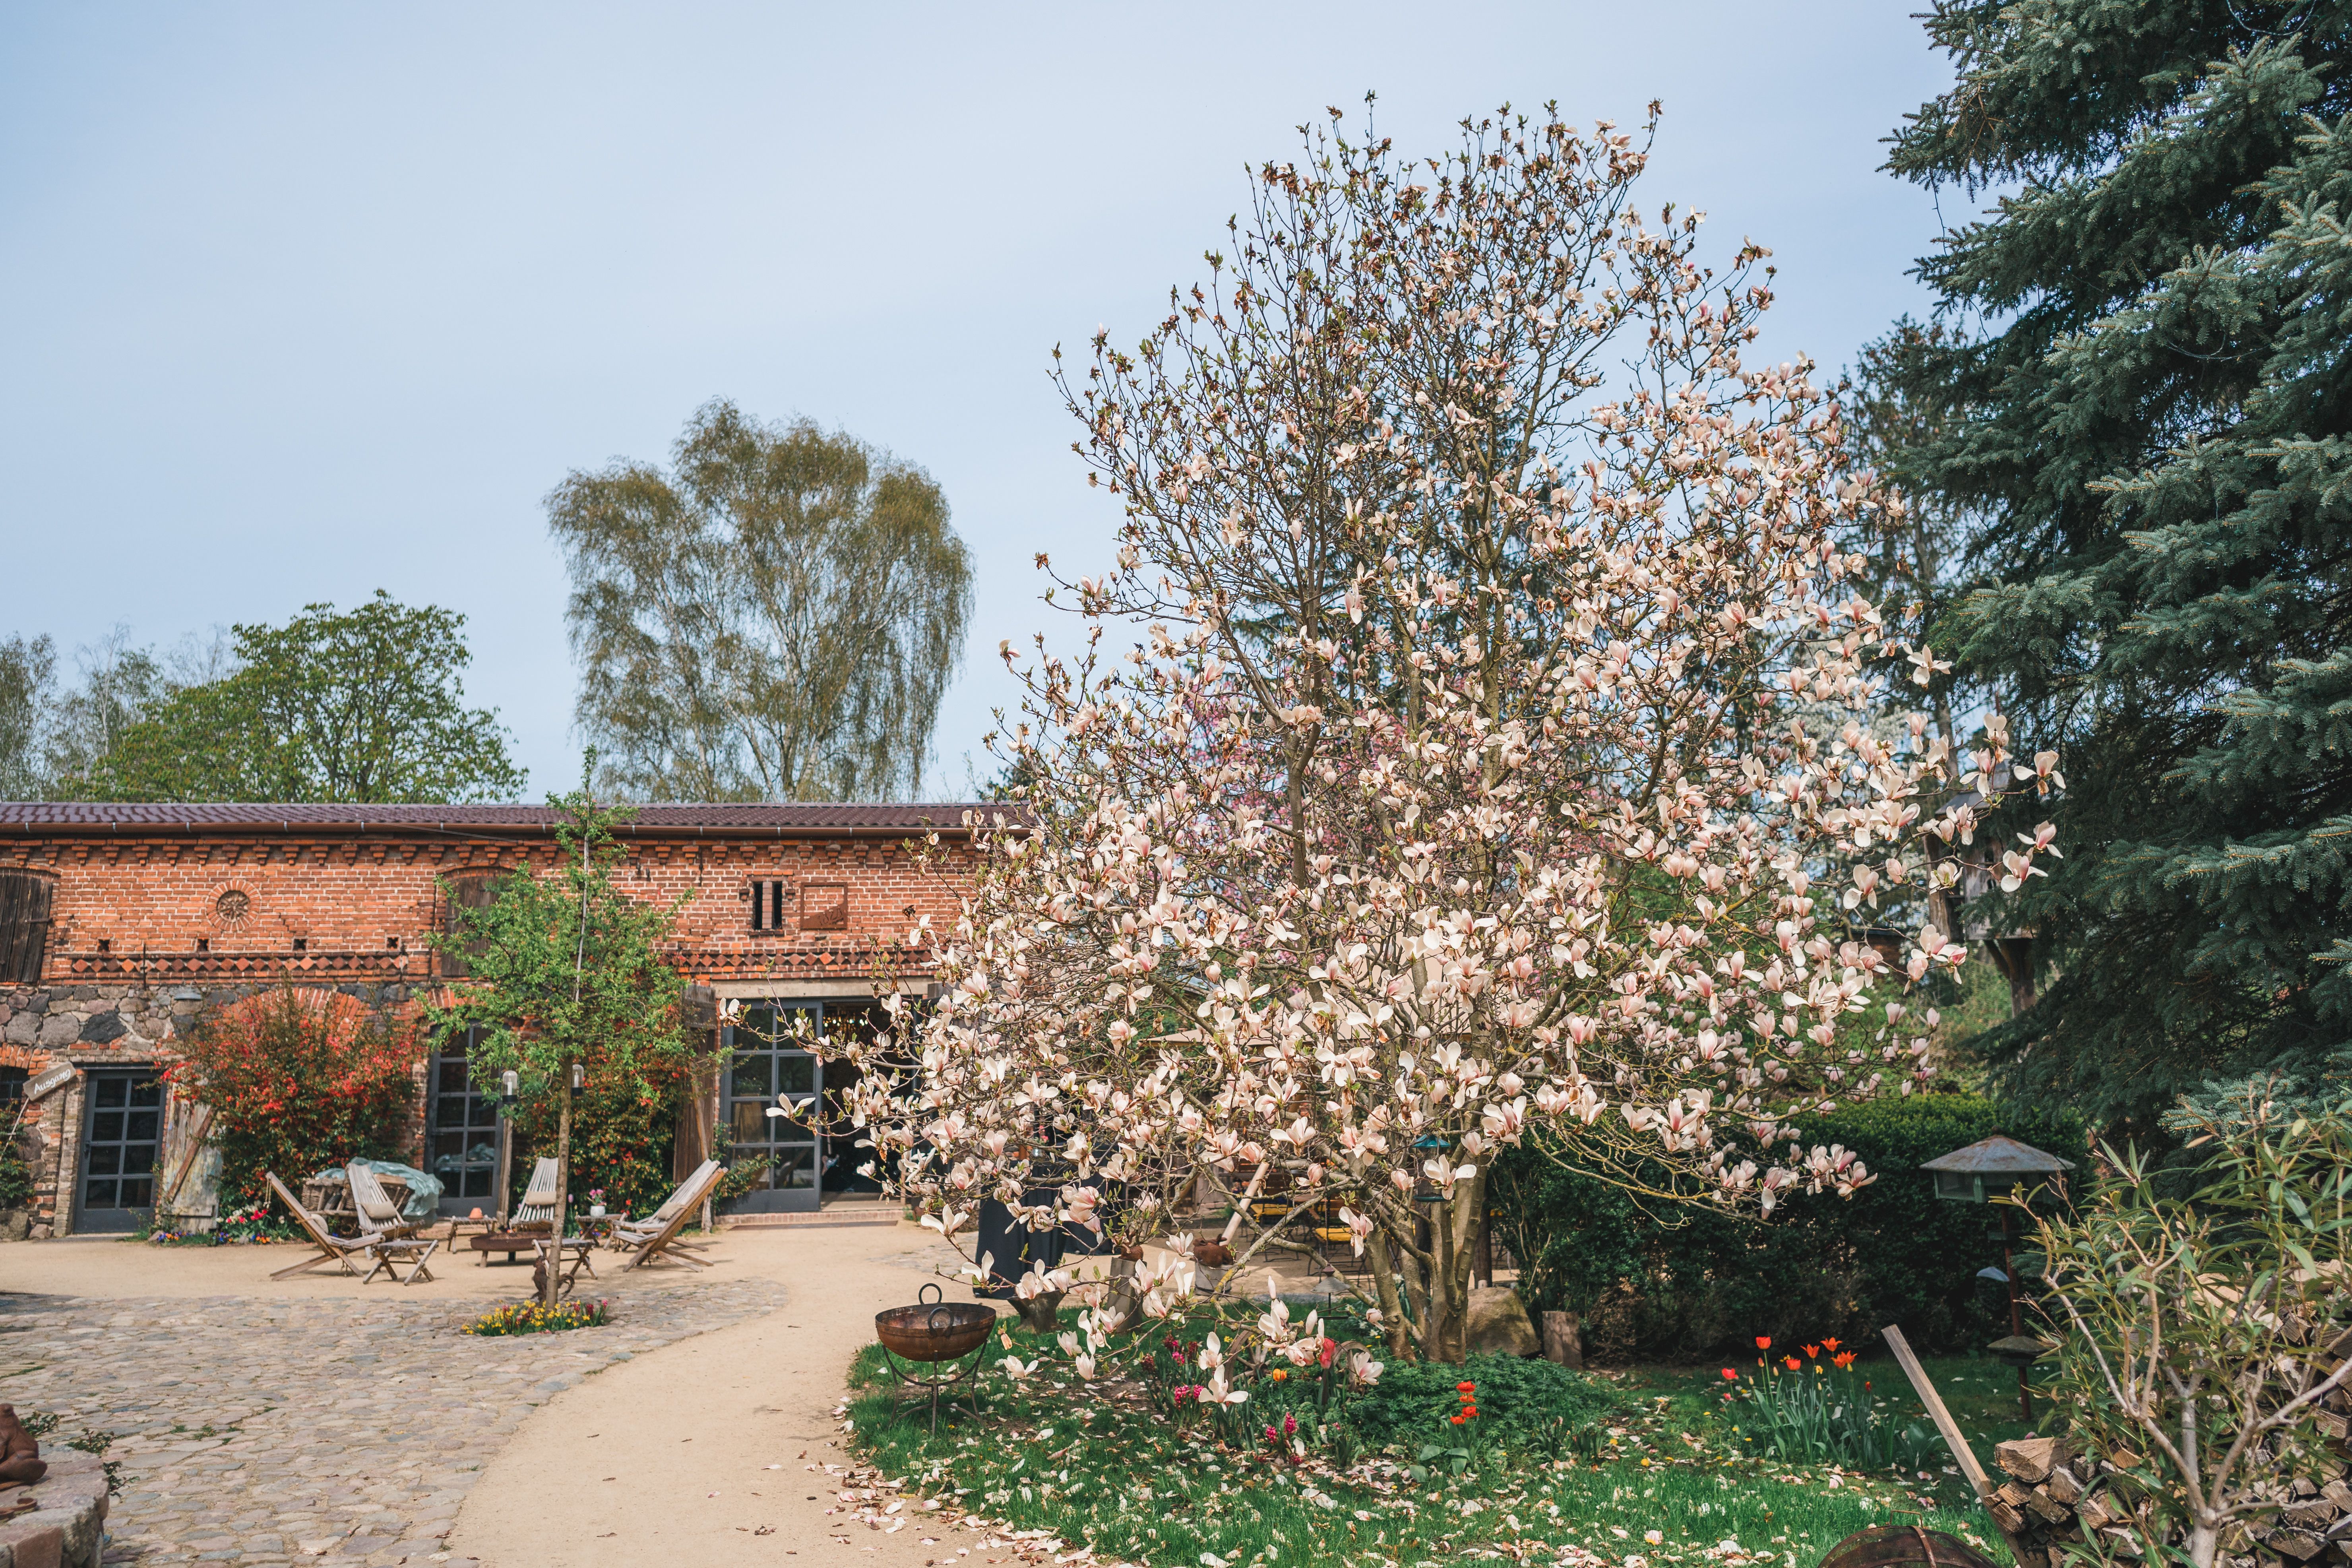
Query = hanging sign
x=48 y=1080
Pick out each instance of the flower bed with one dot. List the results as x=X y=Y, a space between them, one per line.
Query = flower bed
x=530 y=1318
x=1570 y=1465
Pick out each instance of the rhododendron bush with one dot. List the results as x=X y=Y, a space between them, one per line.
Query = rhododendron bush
x=1502 y=746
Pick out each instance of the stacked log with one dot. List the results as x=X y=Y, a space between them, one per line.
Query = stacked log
x=2053 y=1497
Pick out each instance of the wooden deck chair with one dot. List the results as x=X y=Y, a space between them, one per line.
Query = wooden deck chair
x=628 y=1233
x=537 y=1210
x=395 y=1239
x=661 y=1241
x=672 y=1203
x=336 y=1249
x=379 y=1215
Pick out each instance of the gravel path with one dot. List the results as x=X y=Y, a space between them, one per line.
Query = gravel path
x=346 y=1430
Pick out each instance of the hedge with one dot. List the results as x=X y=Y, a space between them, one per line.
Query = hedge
x=1664 y=1282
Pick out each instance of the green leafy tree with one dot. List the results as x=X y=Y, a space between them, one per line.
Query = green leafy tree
x=775 y=618
x=84 y=730
x=28 y=670
x=363 y=705
x=2148 y=439
x=565 y=971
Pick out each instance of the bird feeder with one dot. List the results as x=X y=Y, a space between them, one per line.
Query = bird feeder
x=1983 y=1171
x=2020 y=1351
x=1979 y=1173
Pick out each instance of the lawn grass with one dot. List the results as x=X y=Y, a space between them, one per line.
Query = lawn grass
x=1117 y=1476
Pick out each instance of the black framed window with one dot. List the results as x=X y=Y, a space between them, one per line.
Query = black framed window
x=463 y=1143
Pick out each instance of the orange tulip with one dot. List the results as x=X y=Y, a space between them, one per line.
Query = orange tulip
x=1792 y=1363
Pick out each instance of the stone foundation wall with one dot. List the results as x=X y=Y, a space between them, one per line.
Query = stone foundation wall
x=123 y=1027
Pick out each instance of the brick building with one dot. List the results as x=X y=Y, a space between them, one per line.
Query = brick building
x=121 y=925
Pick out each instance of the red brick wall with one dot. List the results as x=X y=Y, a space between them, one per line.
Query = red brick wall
x=144 y=936
x=361 y=908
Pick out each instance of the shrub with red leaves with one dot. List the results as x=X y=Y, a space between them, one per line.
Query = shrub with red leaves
x=299 y=1079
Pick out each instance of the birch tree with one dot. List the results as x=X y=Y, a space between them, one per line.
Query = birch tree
x=777 y=617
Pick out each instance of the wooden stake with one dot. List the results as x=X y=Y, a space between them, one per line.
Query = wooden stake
x=1965 y=1455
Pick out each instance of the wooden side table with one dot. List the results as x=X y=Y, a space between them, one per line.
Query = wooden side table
x=575 y=1248
x=598 y=1228
x=509 y=1242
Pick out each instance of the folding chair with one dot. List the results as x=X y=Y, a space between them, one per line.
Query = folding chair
x=655 y=1240
x=395 y=1239
x=333 y=1248
x=628 y=1233
x=537 y=1210
x=379 y=1215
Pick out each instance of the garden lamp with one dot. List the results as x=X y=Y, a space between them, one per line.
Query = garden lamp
x=1978 y=1173
x=579 y=1077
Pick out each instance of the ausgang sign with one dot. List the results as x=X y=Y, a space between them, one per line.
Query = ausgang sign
x=49 y=1079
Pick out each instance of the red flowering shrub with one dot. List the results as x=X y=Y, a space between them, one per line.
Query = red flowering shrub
x=298 y=1079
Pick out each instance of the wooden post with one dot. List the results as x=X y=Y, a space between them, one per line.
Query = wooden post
x=506 y=1166
x=1961 y=1453
x=1563 y=1339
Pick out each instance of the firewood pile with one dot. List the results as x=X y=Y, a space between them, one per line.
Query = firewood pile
x=2054 y=1496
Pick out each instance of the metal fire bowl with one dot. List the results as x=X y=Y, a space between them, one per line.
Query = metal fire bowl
x=946 y=1332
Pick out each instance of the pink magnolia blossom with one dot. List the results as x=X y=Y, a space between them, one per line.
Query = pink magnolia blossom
x=1496 y=753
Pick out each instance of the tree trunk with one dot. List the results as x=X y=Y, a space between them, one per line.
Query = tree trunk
x=562 y=1186
x=1445 y=1304
x=1399 y=1334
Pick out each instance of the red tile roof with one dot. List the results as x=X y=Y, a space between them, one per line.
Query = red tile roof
x=77 y=818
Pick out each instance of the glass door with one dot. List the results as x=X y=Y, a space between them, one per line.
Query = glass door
x=464 y=1147
x=118 y=1143
x=769 y=1067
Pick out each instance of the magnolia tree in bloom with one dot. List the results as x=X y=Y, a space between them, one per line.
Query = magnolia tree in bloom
x=1502 y=749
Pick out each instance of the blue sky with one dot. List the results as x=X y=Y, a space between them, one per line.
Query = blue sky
x=297 y=302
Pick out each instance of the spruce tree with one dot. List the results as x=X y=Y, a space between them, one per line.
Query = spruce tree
x=2145 y=425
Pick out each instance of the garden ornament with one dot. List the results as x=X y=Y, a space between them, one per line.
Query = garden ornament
x=20 y=1456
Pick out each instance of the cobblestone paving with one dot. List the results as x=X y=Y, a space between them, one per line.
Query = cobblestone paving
x=344 y=1431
